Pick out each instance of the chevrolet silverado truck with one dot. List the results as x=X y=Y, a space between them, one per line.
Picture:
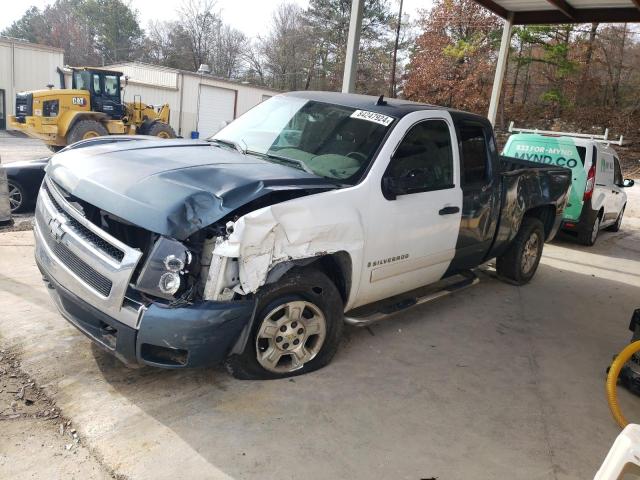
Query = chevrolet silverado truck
x=254 y=247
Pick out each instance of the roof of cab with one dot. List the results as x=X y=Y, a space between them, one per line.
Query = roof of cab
x=396 y=108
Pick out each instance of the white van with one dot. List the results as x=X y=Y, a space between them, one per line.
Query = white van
x=597 y=199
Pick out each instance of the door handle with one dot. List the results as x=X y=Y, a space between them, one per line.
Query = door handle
x=449 y=210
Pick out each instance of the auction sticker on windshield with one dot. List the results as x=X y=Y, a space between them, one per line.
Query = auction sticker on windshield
x=372 y=117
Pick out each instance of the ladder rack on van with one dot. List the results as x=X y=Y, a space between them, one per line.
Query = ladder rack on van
x=598 y=138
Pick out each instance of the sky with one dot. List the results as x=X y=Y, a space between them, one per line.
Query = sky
x=234 y=12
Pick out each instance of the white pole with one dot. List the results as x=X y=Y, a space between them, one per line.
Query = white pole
x=501 y=69
x=353 y=42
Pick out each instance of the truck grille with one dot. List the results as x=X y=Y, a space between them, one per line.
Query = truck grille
x=95 y=280
x=102 y=245
x=83 y=258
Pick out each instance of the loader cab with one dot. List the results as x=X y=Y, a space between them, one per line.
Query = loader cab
x=104 y=90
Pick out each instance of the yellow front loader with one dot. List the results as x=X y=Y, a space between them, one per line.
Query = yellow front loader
x=92 y=107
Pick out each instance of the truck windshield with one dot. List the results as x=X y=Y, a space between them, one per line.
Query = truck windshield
x=327 y=140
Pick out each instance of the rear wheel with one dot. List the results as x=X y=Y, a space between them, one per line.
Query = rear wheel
x=519 y=263
x=85 y=129
x=55 y=148
x=589 y=234
x=297 y=328
x=162 y=130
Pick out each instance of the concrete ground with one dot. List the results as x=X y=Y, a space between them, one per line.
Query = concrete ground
x=16 y=147
x=494 y=382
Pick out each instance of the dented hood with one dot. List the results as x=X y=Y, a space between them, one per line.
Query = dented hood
x=173 y=187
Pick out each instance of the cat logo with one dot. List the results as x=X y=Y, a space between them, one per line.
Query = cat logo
x=78 y=101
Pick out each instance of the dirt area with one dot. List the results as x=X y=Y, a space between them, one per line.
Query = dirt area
x=21 y=222
x=36 y=440
x=15 y=146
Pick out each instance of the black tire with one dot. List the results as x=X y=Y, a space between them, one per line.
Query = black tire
x=512 y=265
x=55 y=148
x=308 y=285
x=589 y=233
x=162 y=130
x=616 y=226
x=19 y=199
x=84 y=129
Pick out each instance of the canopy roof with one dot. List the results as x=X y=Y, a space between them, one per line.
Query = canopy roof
x=527 y=12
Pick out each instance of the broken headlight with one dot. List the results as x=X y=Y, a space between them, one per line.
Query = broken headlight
x=162 y=273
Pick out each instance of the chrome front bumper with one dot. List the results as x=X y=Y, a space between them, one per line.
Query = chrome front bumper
x=84 y=259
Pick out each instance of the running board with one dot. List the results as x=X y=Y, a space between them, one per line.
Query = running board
x=469 y=279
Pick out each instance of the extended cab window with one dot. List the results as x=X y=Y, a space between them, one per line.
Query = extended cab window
x=425 y=157
x=473 y=150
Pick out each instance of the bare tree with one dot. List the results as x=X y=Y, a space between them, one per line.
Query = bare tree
x=288 y=49
x=201 y=24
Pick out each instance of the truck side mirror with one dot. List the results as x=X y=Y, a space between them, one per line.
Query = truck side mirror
x=394 y=186
x=628 y=182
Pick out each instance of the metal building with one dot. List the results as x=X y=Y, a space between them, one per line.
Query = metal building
x=25 y=66
x=199 y=102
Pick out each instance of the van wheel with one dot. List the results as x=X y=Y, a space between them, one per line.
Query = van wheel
x=161 y=130
x=589 y=234
x=616 y=226
x=297 y=328
x=85 y=129
x=519 y=263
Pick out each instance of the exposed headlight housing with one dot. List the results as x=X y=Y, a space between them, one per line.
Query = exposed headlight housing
x=169 y=283
x=162 y=272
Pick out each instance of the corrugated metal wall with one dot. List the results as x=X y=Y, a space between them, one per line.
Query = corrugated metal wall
x=26 y=67
x=159 y=85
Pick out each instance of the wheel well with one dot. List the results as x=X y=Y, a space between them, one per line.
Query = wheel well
x=337 y=266
x=546 y=214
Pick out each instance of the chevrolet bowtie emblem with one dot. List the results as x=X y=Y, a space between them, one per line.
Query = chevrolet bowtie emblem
x=55 y=228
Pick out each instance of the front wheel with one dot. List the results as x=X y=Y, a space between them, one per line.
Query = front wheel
x=297 y=328
x=85 y=129
x=519 y=263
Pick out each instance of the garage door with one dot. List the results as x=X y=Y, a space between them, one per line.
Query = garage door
x=216 y=107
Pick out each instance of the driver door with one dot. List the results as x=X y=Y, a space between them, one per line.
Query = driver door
x=414 y=209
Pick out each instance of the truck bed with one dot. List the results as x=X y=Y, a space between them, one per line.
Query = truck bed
x=525 y=186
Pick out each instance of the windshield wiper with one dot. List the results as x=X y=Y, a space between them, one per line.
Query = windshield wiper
x=296 y=163
x=228 y=143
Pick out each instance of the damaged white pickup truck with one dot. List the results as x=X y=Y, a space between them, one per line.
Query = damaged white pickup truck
x=255 y=246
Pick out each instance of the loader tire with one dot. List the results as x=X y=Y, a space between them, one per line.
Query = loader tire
x=85 y=129
x=162 y=130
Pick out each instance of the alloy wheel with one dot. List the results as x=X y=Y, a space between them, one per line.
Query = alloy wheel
x=15 y=197
x=530 y=253
x=290 y=335
x=595 y=230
